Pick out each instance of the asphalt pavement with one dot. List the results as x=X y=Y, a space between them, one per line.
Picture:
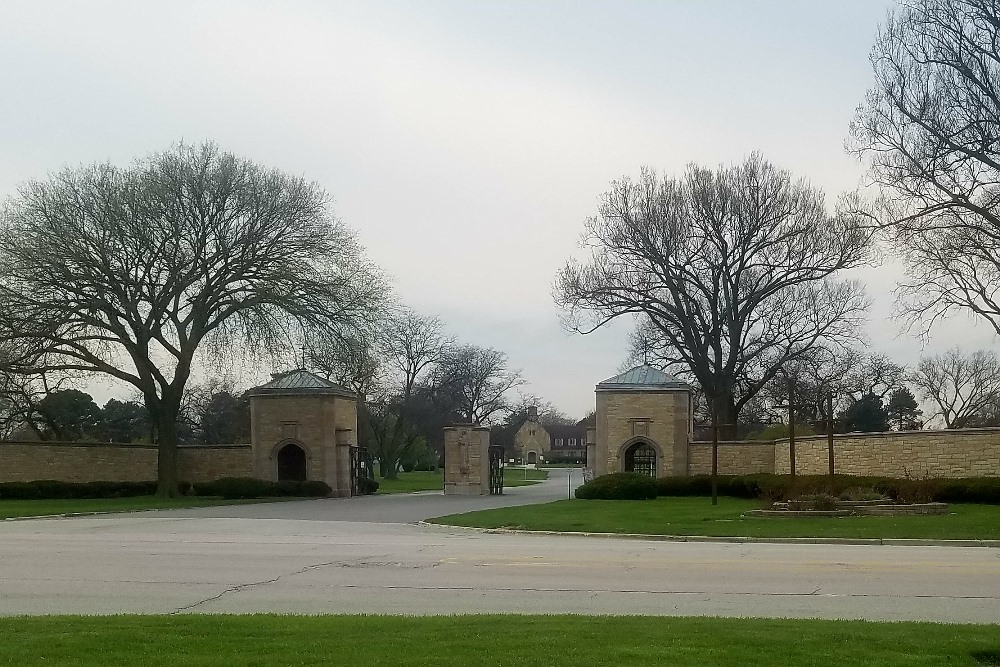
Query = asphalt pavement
x=367 y=555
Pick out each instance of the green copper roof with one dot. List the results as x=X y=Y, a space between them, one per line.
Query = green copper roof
x=639 y=378
x=299 y=381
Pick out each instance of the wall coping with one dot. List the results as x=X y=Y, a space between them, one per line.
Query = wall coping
x=892 y=434
x=926 y=433
x=734 y=443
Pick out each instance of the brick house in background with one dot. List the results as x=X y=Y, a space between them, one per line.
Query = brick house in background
x=535 y=442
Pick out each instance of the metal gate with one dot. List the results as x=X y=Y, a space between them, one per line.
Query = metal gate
x=361 y=470
x=496 y=470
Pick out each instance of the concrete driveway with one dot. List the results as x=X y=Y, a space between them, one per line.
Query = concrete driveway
x=190 y=561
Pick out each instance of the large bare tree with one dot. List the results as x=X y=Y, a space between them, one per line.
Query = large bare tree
x=732 y=273
x=929 y=130
x=131 y=272
x=964 y=387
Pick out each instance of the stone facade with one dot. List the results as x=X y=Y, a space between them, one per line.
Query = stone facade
x=89 y=462
x=642 y=406
x=466 y=460
x=532 y=441
x=303 y=427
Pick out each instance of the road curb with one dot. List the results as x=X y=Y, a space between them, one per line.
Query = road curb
x=875 y=541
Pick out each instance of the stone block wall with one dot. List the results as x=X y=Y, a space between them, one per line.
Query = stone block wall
x=203 y=464
x=947 y=453
x=89 y=462
x=735 y=457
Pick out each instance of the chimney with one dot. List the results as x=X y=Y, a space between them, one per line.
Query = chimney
x=533 y=414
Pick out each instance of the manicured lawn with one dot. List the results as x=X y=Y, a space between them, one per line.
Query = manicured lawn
x=697 y=516
x=15 y=508
x=235 y=641
x=434 y=481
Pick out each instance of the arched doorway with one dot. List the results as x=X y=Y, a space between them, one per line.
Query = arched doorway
x=641 y=457
x=291 y=463
x=532 y=458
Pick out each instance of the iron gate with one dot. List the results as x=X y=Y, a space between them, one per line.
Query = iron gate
x=496 y=470
x=361 y=471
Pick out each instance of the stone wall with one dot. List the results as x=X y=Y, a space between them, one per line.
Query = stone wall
x=949 y=453
x=88 y=462
x=735 y=457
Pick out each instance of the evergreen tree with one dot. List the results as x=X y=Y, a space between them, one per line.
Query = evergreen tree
x=903 y=411
x=866 y=415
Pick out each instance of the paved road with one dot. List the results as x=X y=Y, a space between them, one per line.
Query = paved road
x=394 y=508
x=166 y=562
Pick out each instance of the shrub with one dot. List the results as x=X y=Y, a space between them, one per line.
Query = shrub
x=367 y=486
x=776 y=488
x=314 y=488
x=49 y=489
x=238 y=487
x=736 y=486
x=619 y=486
x=251 y=487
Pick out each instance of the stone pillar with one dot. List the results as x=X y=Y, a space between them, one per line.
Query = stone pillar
x=591 y=449
x=466 y=460
x=342 y=469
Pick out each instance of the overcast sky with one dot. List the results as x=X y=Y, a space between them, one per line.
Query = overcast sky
x=466 y=142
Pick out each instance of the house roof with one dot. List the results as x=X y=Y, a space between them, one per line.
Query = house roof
x=641 y=378
x=299 y=382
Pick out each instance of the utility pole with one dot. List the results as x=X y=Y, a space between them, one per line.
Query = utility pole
x=829 y=436
x=715 y=458
x=791 y=426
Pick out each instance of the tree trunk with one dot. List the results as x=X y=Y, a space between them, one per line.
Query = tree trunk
x=724 y=412
x=388 y=469
x=166 y=454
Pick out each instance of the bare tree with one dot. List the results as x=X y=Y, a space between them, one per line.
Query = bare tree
x=479 y=380
x=385 y=367
x=516 y=411
x=732 y=274
x=930 y=132
x=131 y=272
x=964 y=387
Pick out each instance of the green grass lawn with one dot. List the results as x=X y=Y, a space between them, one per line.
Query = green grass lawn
x=265 y=640
x=17 y=508
x=434 y=481
x=697 y=516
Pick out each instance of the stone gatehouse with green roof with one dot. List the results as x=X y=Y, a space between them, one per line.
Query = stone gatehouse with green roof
x=643 y=424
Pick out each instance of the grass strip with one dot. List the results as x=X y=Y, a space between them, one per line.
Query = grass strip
x=697 y=516
x=27 y=508
x=259 y=640
x=422 y=480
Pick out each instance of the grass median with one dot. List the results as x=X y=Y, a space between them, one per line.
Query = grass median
x=697 y=516
x=27 y=508
x=422 y=480
x=237 y=641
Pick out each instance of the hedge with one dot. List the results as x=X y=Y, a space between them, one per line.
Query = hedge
x=984 y=490
x=251 y=487
x=619 y=486
x=233 y=487
x=50 y=489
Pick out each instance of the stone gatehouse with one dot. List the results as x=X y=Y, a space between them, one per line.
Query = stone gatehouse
x=643 y=424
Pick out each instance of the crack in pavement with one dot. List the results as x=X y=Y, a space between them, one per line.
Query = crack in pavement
x=253 y=584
